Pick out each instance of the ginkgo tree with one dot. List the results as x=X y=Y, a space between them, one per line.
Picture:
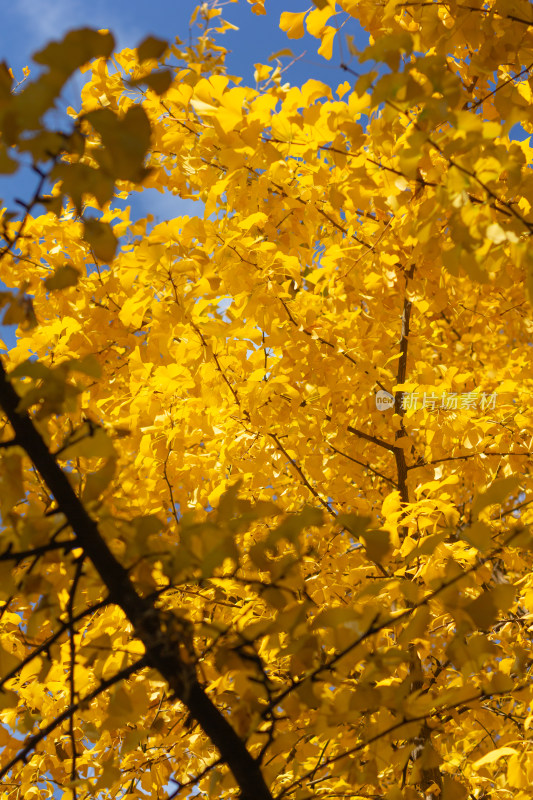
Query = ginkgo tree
x=265 y=475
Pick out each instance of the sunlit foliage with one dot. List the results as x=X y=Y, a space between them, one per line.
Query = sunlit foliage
x=265 y=480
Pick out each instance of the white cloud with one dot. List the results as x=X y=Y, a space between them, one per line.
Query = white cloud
x=50 y=20
x=45 y=21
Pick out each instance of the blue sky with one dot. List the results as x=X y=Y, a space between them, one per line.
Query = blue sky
x=27 y=25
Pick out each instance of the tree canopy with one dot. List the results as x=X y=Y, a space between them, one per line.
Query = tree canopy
x=265 y=472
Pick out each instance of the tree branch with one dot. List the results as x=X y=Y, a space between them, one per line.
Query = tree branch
x=34 y=740
x=161 y=634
